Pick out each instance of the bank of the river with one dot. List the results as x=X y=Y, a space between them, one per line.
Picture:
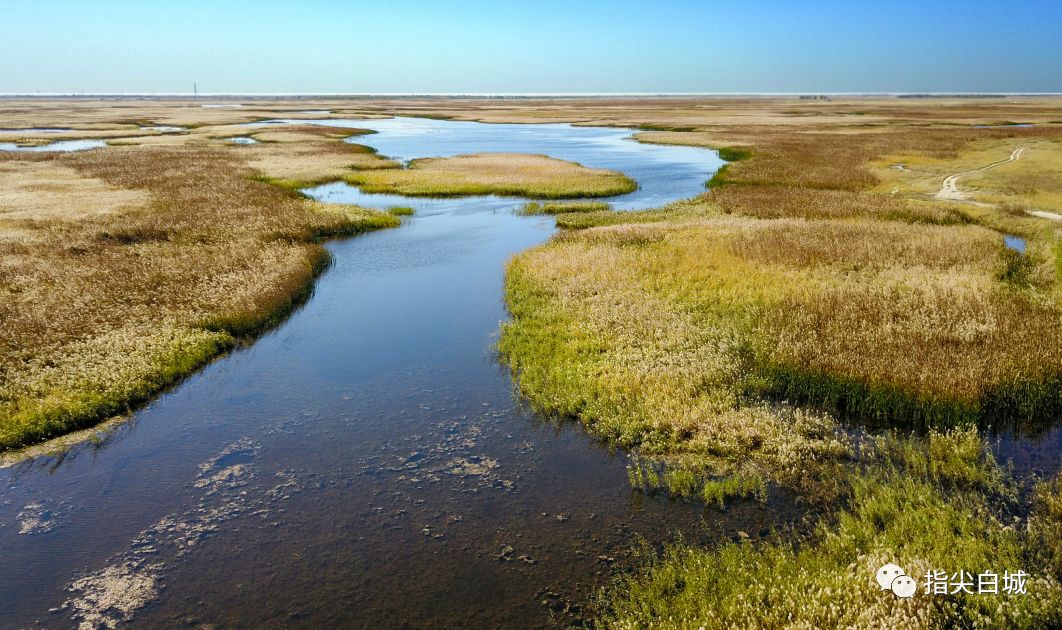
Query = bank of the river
x=366 y=463
x=131 y=267
x=367 y=452
x=736 y=341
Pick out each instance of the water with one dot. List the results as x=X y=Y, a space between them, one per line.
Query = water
x=243 y=140
x=652 y=166
x=1016 y=243
x=366 y=463
x=37 y=130
x=164 y=128
x=64 y=146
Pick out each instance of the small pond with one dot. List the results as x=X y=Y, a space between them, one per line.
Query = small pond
x=62 y=146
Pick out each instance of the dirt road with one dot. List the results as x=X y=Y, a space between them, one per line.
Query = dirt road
x=950 y=190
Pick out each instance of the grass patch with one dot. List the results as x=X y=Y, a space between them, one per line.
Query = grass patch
x=734 y=154
x=132 y=267
x=664 y=335
x=558 y=207
x=534 y=176
x=933 y=507
x=401 y=211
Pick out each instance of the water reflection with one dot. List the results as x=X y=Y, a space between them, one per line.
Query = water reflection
x=61 y=146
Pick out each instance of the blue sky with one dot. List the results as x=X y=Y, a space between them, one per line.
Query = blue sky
x=545 y=46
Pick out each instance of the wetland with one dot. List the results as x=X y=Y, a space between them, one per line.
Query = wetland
x=367 y=462
x=509 y=392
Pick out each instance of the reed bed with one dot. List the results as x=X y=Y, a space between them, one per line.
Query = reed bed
x=129 y=267
x=533 y=176
x=726 y=341
x=934 y=505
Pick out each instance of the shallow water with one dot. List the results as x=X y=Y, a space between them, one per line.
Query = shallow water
x=164 y=128
x=63 y=146
x=664 y=172
x=1016 y=243
x=37 y=130
x=243 y=140
x=366 y=463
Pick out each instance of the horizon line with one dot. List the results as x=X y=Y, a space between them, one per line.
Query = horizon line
x=199 y=95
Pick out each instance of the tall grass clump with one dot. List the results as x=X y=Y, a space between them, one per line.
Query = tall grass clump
x=730 y=154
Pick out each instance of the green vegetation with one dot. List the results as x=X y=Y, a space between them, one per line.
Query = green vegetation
x=534 y=176
x=724 y=340
x=665 y=336
x=136 y=265
x=730 y=154
x=401 y=211
x=561 y=207
x=734 y=154
x=926 y=505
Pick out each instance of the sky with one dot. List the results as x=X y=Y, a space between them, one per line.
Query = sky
x=542 y=46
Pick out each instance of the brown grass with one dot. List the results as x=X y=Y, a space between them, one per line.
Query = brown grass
x=515 y=174
x=826 y=290
x=297 y=162
x=130 y=266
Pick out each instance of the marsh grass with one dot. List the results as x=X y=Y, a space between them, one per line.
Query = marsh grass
x=299 y=159
x=532 y=208
x=401 y=211
x=730 y=154
x=927 y=504
x=663 y=336
x=1045 y=525
x=657 y=329
x=150 y=262
x=531 y=176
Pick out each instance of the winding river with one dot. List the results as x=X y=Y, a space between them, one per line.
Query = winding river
x=367 y=462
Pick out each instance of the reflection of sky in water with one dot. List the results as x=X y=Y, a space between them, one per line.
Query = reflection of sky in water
x=664 y=173
x=64 y=146
x=163 y=128
x=37 y=130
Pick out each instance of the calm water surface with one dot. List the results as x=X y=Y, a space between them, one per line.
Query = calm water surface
x=367 y=462
x=62 y=146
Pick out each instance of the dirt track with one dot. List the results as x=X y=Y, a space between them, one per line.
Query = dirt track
x=950 y=190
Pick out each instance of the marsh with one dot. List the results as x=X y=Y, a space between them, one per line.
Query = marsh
x=376 y=438
x=475 y=412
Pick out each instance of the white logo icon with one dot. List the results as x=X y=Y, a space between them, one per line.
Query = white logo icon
x=904 y=586
x=892 y=577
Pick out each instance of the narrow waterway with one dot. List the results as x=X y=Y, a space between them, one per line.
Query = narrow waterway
x=366 y=463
